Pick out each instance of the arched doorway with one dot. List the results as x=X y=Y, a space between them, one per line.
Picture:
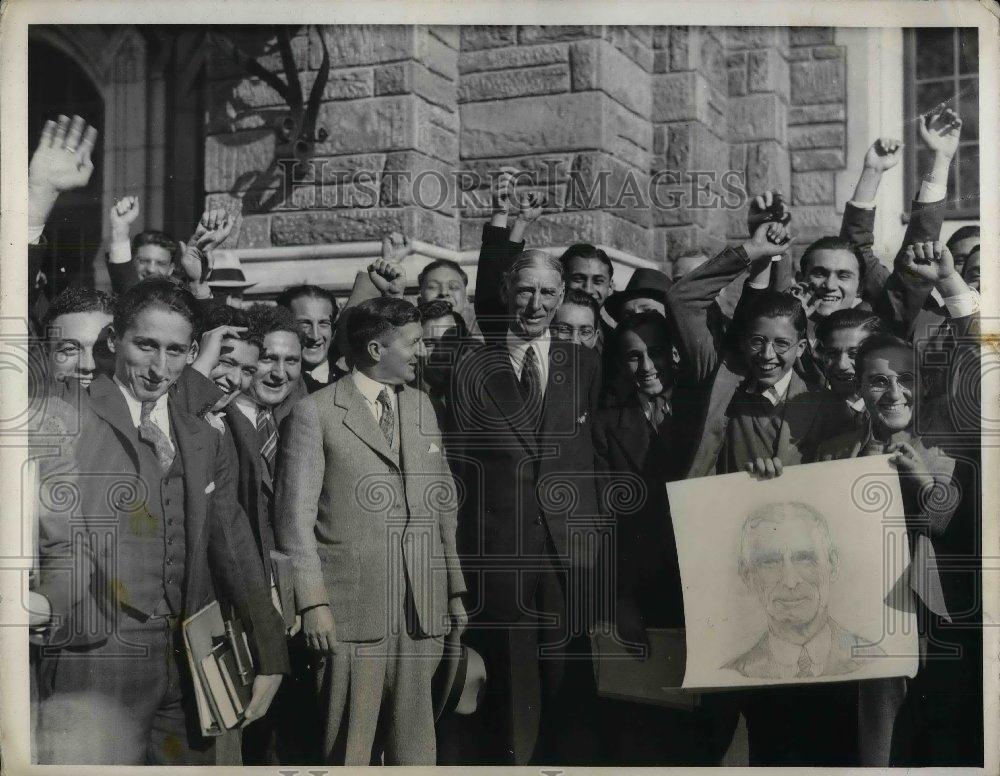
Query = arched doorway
x=57 y=84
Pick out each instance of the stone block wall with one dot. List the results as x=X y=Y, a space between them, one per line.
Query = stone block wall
x=597 y=113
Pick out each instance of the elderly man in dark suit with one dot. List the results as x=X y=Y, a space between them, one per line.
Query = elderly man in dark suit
x=157 y=535
x=366 y=510
x=523 y=408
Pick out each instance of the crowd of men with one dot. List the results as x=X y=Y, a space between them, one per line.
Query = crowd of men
x=451 y=470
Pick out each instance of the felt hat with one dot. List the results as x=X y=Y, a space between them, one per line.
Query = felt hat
x=648 y=283
x=460 y=679
x=227 y=272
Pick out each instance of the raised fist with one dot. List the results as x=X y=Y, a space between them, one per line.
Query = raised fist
x=884 y=154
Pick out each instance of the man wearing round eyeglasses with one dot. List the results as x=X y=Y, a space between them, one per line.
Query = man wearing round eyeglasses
x=577 y=319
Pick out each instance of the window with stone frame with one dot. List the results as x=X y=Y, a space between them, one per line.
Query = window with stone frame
x=941 y=65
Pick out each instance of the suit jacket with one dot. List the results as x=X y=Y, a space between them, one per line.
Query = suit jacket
x=634 y=465
x=254 y=483
x=847 y=654
x=523 y=484
x=220 y=561
x=355 y=516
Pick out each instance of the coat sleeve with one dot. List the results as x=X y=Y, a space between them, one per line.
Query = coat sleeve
x=903 y=297
x=495 y=257
x=233 y=552
x=123 y=276
x=301 y=470
x=688 y=303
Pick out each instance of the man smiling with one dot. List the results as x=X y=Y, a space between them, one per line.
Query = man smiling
x=314 y=310
x=75 y=326
x=179 y=545
x=788 y=562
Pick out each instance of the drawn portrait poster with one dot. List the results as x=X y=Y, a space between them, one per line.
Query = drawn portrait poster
x=803 y=578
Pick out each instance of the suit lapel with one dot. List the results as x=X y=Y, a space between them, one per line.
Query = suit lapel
x=560 y=401
x=246 y=438
x=108 y=403
x=500 y=381
x=191 y=438
x=361 y=421
x=631 y=434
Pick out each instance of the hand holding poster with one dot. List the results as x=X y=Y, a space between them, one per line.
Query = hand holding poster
x=798 y=583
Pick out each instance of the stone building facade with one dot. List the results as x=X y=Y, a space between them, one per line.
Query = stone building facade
x=681 y=111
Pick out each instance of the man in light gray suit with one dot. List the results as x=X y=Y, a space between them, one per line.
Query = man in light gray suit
x=366 y=508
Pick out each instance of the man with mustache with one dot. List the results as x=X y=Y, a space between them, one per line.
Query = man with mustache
x=76 y=325
x=314 y=310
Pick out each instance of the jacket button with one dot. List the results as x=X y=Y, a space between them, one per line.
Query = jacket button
x=170 y=562
x=538 y=520
x=169 y=542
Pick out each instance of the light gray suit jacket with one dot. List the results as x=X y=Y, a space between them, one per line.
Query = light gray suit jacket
x=357 y=517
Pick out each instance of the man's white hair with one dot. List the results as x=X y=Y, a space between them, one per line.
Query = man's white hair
x=779 y=513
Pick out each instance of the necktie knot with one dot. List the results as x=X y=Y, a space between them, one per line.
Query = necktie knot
x=146 y=411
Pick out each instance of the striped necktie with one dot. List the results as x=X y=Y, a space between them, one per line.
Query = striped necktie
x=267 y=430
x=805 y=665
x=154 y=436
x=387 y=422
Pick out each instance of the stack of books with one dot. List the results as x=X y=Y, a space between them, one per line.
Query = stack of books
x=221 y=667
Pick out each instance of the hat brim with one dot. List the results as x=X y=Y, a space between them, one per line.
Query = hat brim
x=449 y=678
x=229 y=283
x=616 y=301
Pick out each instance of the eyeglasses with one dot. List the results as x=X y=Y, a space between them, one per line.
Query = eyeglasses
x=564 y=331
x=881 y=383
x=758 y=343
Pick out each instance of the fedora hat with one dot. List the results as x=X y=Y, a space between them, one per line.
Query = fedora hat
x=649 y=283
x=459 y=679
x=227 y=272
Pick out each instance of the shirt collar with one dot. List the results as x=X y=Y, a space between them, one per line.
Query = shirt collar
x=159 y=413
x=818 y=649
x=774 y=393
x=248 y=407
x=369 y=388
x=858 y=405
x=321 y=373
x=517 y=347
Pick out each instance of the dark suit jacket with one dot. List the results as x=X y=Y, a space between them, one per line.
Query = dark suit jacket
x=634 y=465
x=254 y=483
x=506 y=517
x=220 y=560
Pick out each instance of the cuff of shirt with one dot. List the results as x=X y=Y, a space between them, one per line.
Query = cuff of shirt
x=931 y=192
x=962 y=305
x=35 y=234
x=869 y=205
x=120 y=253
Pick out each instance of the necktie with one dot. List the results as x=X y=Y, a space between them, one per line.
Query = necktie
x=805 y=665
x=153 y=435
x=267 y=431
x=531 y=381
x=387 y=422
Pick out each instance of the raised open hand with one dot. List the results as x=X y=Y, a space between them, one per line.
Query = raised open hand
x=62 y=159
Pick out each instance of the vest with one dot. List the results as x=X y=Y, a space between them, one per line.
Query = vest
x=151 y=539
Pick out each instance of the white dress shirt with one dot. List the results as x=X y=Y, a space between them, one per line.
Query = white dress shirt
x=160 y=416
x=321 y=373
x=774 y=393
x=370 y=390
x=517 y=348
x=248 y=407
